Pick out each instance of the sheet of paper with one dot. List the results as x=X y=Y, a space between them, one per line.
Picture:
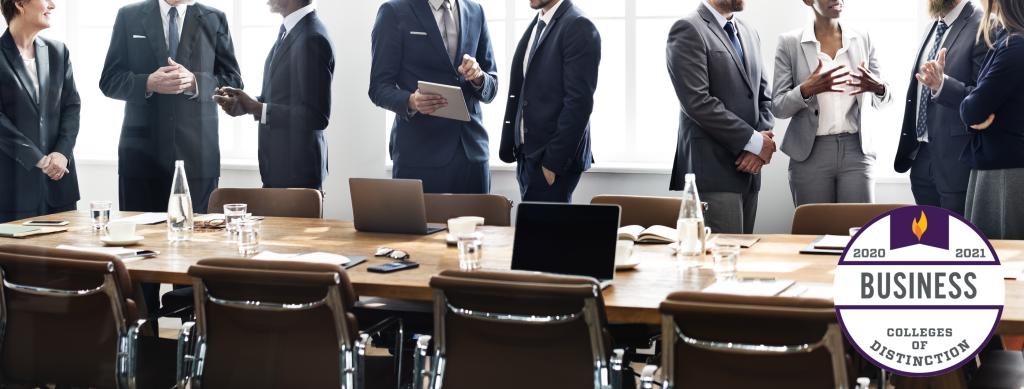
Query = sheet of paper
x=116 y=251
x=749 y=287
x=832 y=242
x=317 y=257
x=809 y=290
x=145 y=218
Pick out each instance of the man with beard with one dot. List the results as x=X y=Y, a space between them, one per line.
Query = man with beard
x=725 y=137
x=933 y=135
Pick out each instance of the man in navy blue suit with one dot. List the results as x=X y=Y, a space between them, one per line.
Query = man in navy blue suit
x=443 y=42
x=551 y=97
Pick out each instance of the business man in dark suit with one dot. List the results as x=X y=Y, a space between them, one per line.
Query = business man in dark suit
x=933 y=136
x=295 y=106
x=551 y=97
x=165 y=60
x=725 y=138
x=39 y=116
x=443 y=42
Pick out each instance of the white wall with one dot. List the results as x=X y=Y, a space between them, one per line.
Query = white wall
x=357 y=141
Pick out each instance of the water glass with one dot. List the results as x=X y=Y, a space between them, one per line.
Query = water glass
x=249 y=232
x=470 y=247
x=726 y=255
x=100 y=211
x=233 y=213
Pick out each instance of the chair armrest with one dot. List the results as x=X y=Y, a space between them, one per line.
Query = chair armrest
x=616 y=367
x=186 y=354
x=647 y=377
x=419 y=361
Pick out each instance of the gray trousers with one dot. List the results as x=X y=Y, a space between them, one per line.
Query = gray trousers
x=730 y=213
x=995 y=204
x=837 y=171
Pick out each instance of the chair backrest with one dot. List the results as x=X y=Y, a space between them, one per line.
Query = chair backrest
x=307 y=203
x=495 y=209
x=272 y=324
x=835 y=219
x=530 y=322
x=733 y=341
x=644 y=211
x=64 y=317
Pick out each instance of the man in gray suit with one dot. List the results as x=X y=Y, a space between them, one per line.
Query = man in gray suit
x=933 y=135
x=725 y=125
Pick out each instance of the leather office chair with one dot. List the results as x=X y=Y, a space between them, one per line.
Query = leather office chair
x=999 y=369
x=644 y=211
x=69 y=318
x=276 y=324
x=517 y=330
x=726 y=341
x=306 y=203
x=836 y=219
x=495 y=209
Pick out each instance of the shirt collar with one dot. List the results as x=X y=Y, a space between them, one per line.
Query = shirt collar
x=165 y=8
x=718 y=17
x=292 y=19
x=436 y=4
x=549 y=14
x=954 y=14
x=809 y=36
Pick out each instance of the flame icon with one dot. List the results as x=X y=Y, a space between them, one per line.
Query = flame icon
x=920 y=226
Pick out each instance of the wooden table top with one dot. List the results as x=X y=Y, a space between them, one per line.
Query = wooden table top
x=633 y=298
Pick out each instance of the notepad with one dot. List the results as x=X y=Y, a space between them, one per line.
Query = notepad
x=16 y=231
x=750 y=287
x=832 y=242
x=744 y=241
x=654 y=234
x=317 y=257
x=145 y=218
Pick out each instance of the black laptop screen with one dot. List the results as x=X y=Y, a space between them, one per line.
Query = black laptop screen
x=566 y=239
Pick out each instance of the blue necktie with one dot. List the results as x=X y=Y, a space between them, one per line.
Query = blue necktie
x=926 y=93
x=520 y=133
x=173 y=35
x=731 y=31
x=277 y=45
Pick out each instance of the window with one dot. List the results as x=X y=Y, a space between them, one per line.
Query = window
x=636 y=113
x=86 y=27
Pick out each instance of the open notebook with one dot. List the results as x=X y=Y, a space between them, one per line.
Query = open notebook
x=654 y=234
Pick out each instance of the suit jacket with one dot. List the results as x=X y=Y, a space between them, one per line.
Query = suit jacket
x=34 y=125
x=997 y=93
x=161 y=129
x=795 y=60
x=557 y=93
x=297 y=90
x=724 y=98
x=947 y=135
x=407 y=48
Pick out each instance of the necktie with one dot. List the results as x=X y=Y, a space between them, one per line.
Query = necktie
x=922 y=104
x=277 y=45
x=451 y=30
x=173 y=35
x=730 y=30
x=521 y=137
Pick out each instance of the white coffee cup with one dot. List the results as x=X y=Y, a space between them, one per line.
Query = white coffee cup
x=623 y=251
x=121 y=230
x=462 y=226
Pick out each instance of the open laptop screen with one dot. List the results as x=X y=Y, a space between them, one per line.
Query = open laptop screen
x=566 y=239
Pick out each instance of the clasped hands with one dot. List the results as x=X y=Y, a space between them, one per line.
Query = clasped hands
x=54 y=166
x=428 y=103
x=752 y=163
x=173 y=79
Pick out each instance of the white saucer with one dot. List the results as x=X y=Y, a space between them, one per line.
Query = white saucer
x=628 y=264
x=121 y=242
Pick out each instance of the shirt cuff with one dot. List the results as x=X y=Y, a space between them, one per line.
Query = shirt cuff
x=263 y=117
x=941 y=84
x=193 y=93
x=755 y=143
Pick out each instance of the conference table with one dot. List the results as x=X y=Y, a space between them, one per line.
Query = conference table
x=633 y=297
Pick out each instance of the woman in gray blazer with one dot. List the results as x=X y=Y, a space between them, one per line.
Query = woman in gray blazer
x=39 y=116
x=826 y=76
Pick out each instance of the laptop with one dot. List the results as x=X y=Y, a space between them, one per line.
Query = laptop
x=390 y=206
x=567 y=239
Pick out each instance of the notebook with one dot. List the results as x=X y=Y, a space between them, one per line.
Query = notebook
x=16 y=231
x=654 y=234
x=750 y=287
x=827 y=245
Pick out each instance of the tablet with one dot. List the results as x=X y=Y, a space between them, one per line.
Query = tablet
x=456 y=109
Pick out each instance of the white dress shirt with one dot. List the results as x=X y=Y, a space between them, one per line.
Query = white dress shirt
x=929 y=44
x=756 y=141
x=834 y=107
x=289 y=23
x=547 y=18
x=33 y=72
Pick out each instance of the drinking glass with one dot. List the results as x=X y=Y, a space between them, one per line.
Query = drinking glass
x=726 y=255
x=249 y=232
x=470 y=246
x=100 y=211
x=233 y=213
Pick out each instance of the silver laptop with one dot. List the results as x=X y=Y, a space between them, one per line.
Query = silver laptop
x=390 y=206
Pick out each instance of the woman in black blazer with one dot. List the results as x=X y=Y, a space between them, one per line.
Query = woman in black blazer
x=994 y=110
x=39 y=116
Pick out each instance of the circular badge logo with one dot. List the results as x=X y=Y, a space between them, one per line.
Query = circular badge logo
x=919 y=291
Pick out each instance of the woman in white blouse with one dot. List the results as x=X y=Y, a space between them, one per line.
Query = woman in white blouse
x=39 y=116
x=826 y=76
